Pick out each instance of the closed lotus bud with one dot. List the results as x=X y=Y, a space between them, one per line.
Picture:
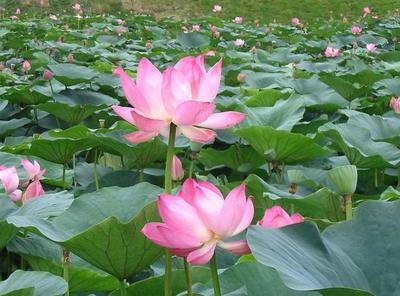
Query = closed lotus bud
x=47 y=75
x=241 y=77
x=177 y=169
x=216 y=34
x=343 y=179
x=26 y=66
x=276 y=217
x=395 y=104
x=70 y=57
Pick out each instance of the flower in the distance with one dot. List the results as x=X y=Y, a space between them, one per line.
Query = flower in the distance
x=120 y=22
x=196 y=28
x=32 y=169
x=149 y=44
x=120 y=30
x=34 y=189
x=210 y=53
x=371 y=47
x=182 y=95
x=70 y=57
x=395 y=104
x=53 y=17
x=198 y=219
x=276 y=217
x=296 y=21
x=10 y=180
x=26 y=66
x=239 y=42
x=238 y=20
x=331 y=52
x=177 y=169
x=241 y=77
x=18 y=11
x=217 y=8
x=76 y=7
x=366 y=11
x=356 y=30
x=47 y=74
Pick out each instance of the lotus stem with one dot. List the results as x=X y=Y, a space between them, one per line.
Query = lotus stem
x=349 y=206
x=188 y=275
x=122 y=288
x=96 y=175
x=65 y=263
x=141 y=175
x=376 y=178
x=168 y=189
x=214 y=276
x=63 y=177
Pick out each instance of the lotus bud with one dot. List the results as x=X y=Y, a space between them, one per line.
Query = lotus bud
x=47 y=75
x=241 y=77
x=195 y=146
x=26 y=66
x=177 y=169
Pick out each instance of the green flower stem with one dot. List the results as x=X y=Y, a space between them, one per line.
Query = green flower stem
x=214 y=276
x=63 y=177
x=168 y=189
x=349 y=206
x=65 y=263
x=188 y=275
x=96 y=175
x=122 y=288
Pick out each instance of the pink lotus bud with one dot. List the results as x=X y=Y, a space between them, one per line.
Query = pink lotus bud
x=331 y=52
x=371 y=47
x=196 y=28
x=210 y=53
x=177 y=170
x=118 y=71
x=33 y=169
x=395 y=104
x=47 y=74
x=33 y=190
x=296 y=21
x=216 y=34
x=198 y=219
x=70 y=57
x=10 y=180
x=238 y=20
x=76 y=7
x=366 y=11
x=53 y=17
x=356 y=30
x=18 y=11
x=276 y=217
x=26 y=66
x=120 y=22
x=241 y=77
x=214 y=29
x=120 y=30
x=149 y=44
x=239 y=42
x=217 y=8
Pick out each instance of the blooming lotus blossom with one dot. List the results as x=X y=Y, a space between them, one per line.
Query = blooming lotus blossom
x=10 y=180
x=120 y=30
x=331 y=52
x=26 y=66
x=356 y=30
x=198 y=219
x=217 y=8
x=76 y=7
x=177 y=169
x=395 y=104
x=182 y=95
x=196 y=28
x=33 y=169
x=366 y=11
x=47 y=75
x=18 y=11
x=371 y=47
x=34 y=189
x=238 y=20
x=296 y=21
x=53 y=17
x=120 y=22
x=239 y=42
x=276 y=217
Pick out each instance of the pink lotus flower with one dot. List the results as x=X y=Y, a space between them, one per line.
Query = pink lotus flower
x=53 y=17
x=182 y=95
x=241 y=77
x=177 y=169
x=211 y=53
x=356 y=30
x=239 y=42
x=34 y=189
x=47 y=74
x=32 y=169
x=198 y=219
x=296 y=21
x=217 y=8
x=238 y=20
x=76 y=7
x=395 y=104
x=14 y=17
x=120 y=22
x=120 y=30
x=371 y=47
x=331 y=52
x=18 y=11
x=366 y=11
x=26 y=66
x=196 y=28
x=214 y=29
x=10 y=180
x=276 y=217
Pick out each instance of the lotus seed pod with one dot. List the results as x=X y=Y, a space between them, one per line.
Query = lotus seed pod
x=195 y=146
x=343 y=179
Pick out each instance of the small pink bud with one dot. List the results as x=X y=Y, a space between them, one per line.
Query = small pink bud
x=196 y=28
x=296 y=21
x=239 y=42
x=217 y=8
x=76 y=6
x=18 y=11
x=177 y=170
x=241 y=77
x=276 y=217
x=371 y=47
x=210 y=53
x=356 y=30
x=395 y=104
x=238 y=20
x=47 y=75
x=26 y=66
x=120 y=30
x=120 y=22
x=366 y=11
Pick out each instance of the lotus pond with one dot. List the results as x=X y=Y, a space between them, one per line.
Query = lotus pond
x=206 y=157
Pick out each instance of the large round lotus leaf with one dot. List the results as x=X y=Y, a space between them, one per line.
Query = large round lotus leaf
x=360 y=254
x=104 y=228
